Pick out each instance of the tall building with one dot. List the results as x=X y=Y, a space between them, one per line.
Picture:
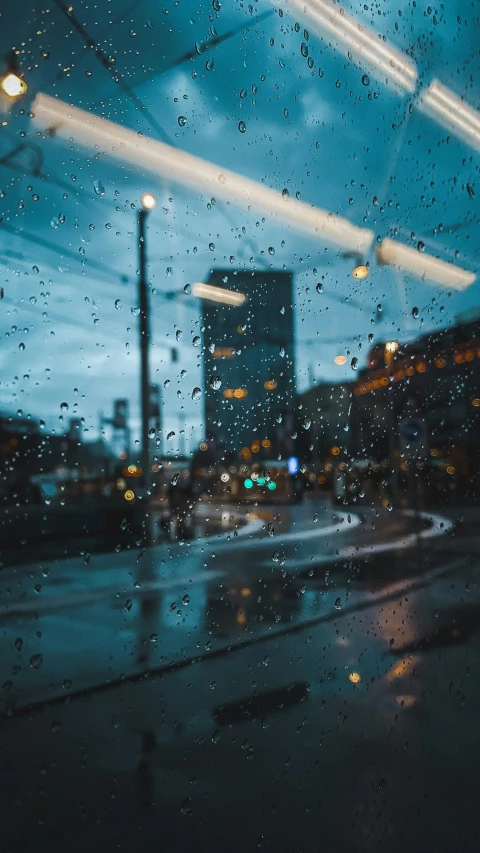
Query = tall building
x=249 y=364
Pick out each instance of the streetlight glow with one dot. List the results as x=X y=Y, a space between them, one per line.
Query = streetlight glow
x=148 y=201
x=340 y=359
x=13 y=85
x=391 y=346
x=360 y=271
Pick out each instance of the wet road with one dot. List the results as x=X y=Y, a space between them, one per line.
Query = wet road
x=306 y=692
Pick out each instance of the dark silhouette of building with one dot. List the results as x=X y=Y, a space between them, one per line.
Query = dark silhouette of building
x=249 y=364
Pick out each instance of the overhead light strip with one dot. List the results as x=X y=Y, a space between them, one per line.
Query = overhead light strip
x=195 y=173
x=423 y=265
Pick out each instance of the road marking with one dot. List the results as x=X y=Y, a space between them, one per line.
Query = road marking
x=91 y=596
x=440 y=526
x=302 y=535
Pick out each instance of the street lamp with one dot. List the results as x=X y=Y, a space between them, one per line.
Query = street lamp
x=390 y=349
x=360 y=271
x=148 y=203
x=11 y=83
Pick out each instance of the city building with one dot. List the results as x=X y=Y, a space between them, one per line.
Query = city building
x=249 y=367
x=323 y=420
x=437 y=377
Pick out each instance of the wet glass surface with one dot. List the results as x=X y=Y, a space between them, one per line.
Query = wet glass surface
x=239 y=426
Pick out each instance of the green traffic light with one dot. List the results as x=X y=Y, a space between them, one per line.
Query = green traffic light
x=248 y=483
x=272 y=486
x=261 y=481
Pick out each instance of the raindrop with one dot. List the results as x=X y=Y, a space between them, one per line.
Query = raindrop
x=36 y=661
x=128 y=604
x=307 y=423
x=64 y=407
x=271 y=250
x=366 y=80
x=99 y=188
x=35 y=269
x=215 y=383
x=21 y=347
x=152 y=433
x=281 y=352
x=118 y=304
x=18 y=644
x=61 y=218
x=182 y=121
x=196 y=341
x=279 y=419
x=319 y=287
x=243 y=93
x=209 y=65
x=123 y=524
x=338 y=604
x=216 y=5
x=421 y=246
x=211 y=246
x=186 y=599
x=178 y=335
x=354 y=363
x=304 y=49
x=415 y=313
x=242 y=126
x=470 y=191
x=135 y=311
x=187 y=289
x=196 y=393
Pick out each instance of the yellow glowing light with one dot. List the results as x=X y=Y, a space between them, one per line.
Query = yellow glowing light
x=270 y=385
x=266 y=443
x=245 y=592
x=335 y=451
x=203 y=445
x=476 y=402
x=148 y=201
x=450 y=469
x=241 y=618
x=440 y=362
x=129 y=495
x=361 y=271
x=241 y=330
x=421 y=367
x=13 y=85
x=255 y=447
x=391 y=346
x=239 y=393
x=355 y=677
x=340 y=359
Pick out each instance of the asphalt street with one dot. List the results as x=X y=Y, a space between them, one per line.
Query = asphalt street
x=308 y=684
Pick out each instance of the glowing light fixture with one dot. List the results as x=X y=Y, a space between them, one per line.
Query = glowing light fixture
x=355 y=677
x=391 y=346
x=196 y=173
x=443 y=105
x=248 y=483
x=272 y=486
x=13 y=86
x=340 y=359
x=148 y=201
x=218 y=294
x=360 y=271
x=422 y=265
x=355 y=39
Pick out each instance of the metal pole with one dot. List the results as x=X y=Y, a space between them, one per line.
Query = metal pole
x=392 y=430
x=144 y=328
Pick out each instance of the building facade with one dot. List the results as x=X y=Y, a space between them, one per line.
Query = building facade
x=249 y=371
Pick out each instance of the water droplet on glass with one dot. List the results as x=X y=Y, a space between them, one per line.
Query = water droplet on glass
x=187 y=289
x=99 y=188
x=307 y=423
x=415 y=313
x=186 y=599
x=35 y=269
x=36 y=661
x=118 y=304
x=196 y=393
x=196 y=341
x=18 y=644
x=215 y=383
x=152 y=433
x=421 y=246
x=209 y=65
x=354 y=363
x=304 y=49
x=338 y=604
x=182 y=121
x=242 y=126
x=64 y=407
x=366 y=80
x=178 y=334
x=21 y=347
x=135 y=311
x=281 y=352
x=271 y=250
x=211 y=246
x=319 y=287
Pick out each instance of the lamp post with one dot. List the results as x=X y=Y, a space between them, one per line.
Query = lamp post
x=148 y=203
x=390 y=349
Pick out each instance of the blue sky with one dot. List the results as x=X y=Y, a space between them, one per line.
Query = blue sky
x=322 y=126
